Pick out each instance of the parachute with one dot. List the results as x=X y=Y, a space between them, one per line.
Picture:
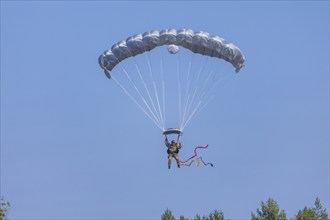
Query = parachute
x=176 y=78
x=198 y=42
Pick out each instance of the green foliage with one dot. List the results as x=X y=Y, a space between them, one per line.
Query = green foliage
x=167 y=215
x=197 y=217
x=183 y=218
x=269 y=211
x=315 y=213
x=4 y=206
x=306 y=214
x=215 y=215
x=319 y=211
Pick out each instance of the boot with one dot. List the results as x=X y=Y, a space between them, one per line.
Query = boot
x=178 y=162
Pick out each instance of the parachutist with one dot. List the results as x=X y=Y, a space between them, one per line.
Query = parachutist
x=172 y=151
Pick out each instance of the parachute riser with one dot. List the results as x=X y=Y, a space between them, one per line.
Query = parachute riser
x=179 y=138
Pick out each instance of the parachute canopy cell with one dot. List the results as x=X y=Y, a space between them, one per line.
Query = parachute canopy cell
x=198 y=42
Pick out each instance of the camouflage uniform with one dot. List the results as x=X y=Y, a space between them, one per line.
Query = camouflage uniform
x=172 y=151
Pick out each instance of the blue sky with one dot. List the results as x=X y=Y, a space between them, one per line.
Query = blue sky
x=74 y=146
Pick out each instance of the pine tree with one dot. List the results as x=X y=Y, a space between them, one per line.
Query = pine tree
x=167 y=215
x=319 y=211
x=315 y=213
x=269 y=211
x=306 y=214
x=216 y=215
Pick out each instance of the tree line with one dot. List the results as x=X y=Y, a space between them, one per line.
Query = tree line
x=4 y=206
x=269 y=210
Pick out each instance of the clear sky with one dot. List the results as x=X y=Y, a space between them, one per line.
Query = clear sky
x=74 y=146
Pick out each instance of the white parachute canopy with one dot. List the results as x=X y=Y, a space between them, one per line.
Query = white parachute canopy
x=170 y=89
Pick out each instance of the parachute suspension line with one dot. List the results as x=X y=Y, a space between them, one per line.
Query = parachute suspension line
x=207 y=101
x=221 y=82
x=209 y=94
x=151 y=114
x=216 y=82
x=217 y=78
x=136 y=102
x=205 y=88
x=141 y=96
x=200 y=97
x=163 y=86
x=191 y=115
x=194 y=103
x=147 y=91
x=204 y=92
x=156 y=93
x=187 y=88
x=152 y=111
x=191 y=97
x=193 y=106
x=179 y=88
